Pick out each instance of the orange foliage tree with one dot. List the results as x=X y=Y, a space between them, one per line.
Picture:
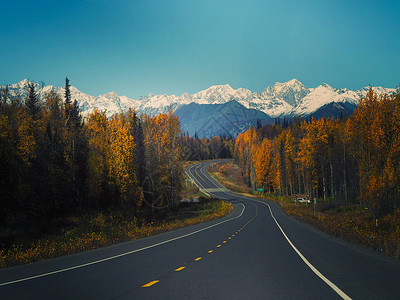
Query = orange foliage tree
x=354 y=160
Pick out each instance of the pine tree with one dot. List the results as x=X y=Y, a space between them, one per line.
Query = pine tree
x=4 y=95
x=32 y=101
x=67 y=92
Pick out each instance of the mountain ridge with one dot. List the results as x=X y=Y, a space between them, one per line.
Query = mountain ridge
x=228 y=118
x=287 y=99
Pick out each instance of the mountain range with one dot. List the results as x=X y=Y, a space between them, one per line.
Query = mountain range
x=196 y=111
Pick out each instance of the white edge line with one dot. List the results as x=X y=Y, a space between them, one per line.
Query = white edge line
x=305 y=260
x=122 y=254
x=315 y=270
x=200 y=186
x=130 y=252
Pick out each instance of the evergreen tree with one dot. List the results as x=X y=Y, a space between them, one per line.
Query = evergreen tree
x=32 y=101
x=4 y=95
x=67 y=92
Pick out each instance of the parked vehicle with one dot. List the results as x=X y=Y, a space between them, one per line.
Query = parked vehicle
x=302 y=200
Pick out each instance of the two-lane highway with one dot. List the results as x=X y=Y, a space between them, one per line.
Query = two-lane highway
x=348 y=270
x=255 y=253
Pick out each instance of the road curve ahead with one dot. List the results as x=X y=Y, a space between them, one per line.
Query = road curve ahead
x=254 y=253
x=294 y=260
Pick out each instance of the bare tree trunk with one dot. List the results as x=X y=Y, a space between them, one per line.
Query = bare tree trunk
x=299 y=178
x=344 y=173
x=332 y=183
x=323 y=182
x=73 y=169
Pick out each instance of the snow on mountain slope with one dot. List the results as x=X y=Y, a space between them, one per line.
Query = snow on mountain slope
x=377 y=90
x=279 y=99
x=219 y=94
x=156 y=104
x=289 y=99
x=110 y=102
x=291 y=92
x=274 y=107
x=322 y=95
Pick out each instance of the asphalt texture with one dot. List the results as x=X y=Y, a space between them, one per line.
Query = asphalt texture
x=256 y=252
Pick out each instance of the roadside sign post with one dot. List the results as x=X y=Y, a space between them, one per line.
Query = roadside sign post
x=315 y=202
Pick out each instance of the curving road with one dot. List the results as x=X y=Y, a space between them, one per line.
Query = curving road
x=255 y=253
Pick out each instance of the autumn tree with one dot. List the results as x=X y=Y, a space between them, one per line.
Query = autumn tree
x=121 y=161
x=164 y=151
x=373 y=131
x=98 y=142
x=263 y=165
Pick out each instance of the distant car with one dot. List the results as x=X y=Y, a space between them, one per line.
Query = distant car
x=302 y=200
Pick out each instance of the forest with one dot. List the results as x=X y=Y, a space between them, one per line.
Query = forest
x=54 y=161
x=353 y=160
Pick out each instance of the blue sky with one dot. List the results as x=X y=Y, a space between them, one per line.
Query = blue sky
x=140 y=47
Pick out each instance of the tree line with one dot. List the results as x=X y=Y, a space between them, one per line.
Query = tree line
x=196 y=148
x=53 y=161
x=354 y=160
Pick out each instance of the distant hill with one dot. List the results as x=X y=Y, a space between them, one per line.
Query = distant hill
x=335 y=109
x=219 y=119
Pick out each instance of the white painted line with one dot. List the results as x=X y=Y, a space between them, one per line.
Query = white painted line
x=200 y=186
x=314 y=269
x=122 y=254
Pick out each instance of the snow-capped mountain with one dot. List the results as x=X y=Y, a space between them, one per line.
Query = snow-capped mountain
x=286 y=99
x=320 y=96
x=280 y=99
x=228 y=118
x=291 y=92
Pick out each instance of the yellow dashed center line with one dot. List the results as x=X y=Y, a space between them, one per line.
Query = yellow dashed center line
x=150 y=283
x=210 y=251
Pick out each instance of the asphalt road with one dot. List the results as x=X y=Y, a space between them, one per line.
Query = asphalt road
x=255 y=253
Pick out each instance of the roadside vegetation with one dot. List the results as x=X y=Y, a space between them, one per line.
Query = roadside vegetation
x=85 y=231
x=354 y=160
x=351 y=222
x=230 y=176
x=71 y=183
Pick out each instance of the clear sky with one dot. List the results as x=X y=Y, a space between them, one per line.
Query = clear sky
x=147 y=46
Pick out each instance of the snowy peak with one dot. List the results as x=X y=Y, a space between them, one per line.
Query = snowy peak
x=377 y=90
x=293 y=84
x=110 y=95
x=289 y=98
x=327 y=86
x=290 y=92
x=216 y=94
x=323 y=95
